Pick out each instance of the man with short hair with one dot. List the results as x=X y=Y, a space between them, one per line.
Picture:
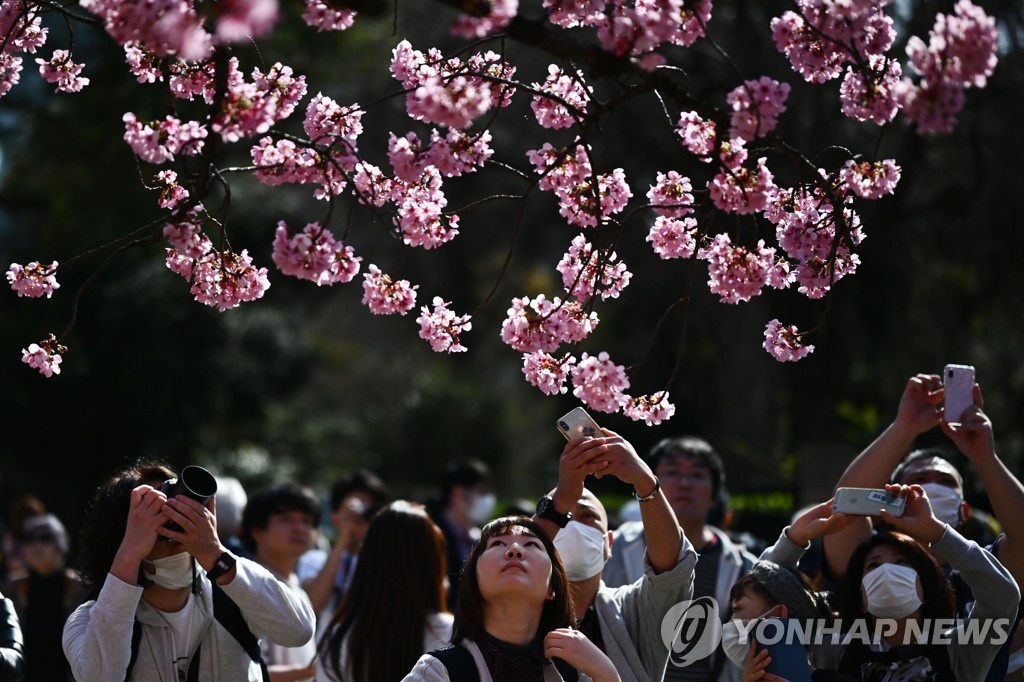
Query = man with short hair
x=693 y=479
x=625 y=622
x=920 y=410
x=277 y=527
x=467 y=502
x=326 y=575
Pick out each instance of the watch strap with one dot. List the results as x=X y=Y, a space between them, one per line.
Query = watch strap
x=224 y=563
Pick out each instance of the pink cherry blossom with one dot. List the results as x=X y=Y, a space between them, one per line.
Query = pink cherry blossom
x=737 y=273
x=327 y=122
x=570 y=89
x=420 y=207
x=160 y=141
x=441 y=327
x=458 y=152
x=171 y=193
x=10 y=72
x=651 y=409
x=547 y=372
x=698 y=135
x=744 y=190
x=756 y=106
x=586 y=271
x=501 y=13
x=784 y=342
x=932 y=107
x=961 y=48
x=243 y=19
x=671 y=196
x=385 y=296
x=575 y=13
x=450 y=92
x=314 y=255
x=251 y=108
x=672 y=238
x=600 y=383
x=224 y=279
x=34 y=280
x=871 y=180
x=284 y=161
x=870 y=95
x=44 y=356
x=164 y=26
x=188 y=244
x=542 y=325
x=323 y=16
x=61 y=70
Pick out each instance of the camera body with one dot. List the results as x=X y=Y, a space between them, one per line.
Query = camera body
x=194 y=482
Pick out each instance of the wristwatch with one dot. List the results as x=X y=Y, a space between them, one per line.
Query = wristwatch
x=546 y=510
x=225 y=562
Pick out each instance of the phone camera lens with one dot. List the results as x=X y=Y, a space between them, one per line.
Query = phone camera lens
x=563 y=425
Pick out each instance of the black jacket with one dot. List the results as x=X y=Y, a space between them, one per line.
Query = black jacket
x=12 y=659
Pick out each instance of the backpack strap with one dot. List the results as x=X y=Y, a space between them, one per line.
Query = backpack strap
x=458 y=662
x=136 y=640
x=225 y=612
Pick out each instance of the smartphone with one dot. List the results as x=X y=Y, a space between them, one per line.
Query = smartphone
x=789 y=656
x=958 y=388
x=578 y=424
x=867 y=502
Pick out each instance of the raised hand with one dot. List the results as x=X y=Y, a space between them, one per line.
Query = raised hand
x=917 y=521
x=199 y=528
x=973 y=434
x=816 y=522
x=145 y=518
x=573 y=647
x=920 y=407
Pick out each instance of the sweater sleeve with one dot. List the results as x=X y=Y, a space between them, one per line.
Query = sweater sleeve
x=272 y=610
x=12 y=660
x=996 y=599
x=784 y=552
x=98 y=635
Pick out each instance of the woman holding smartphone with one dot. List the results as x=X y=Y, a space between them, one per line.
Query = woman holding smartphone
x=513 y=615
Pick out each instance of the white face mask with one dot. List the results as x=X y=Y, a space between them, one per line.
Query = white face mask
x=483 y=507
x=946 y=502
x=581 y=548
x=737 y=635
x=173 y=572
x=892 y=591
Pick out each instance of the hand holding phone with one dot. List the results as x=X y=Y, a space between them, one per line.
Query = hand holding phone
x=958 y=390
x=578 y=424
x=867 y=502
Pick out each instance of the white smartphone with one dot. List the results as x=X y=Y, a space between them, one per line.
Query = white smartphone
x=578 y=424
x=867 y=502
x=958 y=388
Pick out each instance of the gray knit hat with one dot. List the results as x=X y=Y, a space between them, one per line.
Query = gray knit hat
x=786 y=588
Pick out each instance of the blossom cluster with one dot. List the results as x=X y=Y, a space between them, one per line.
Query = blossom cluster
x=441 y=327
x=541 y=324
x=450 y=92
x=33 y=280
x=314 y=255
x=567 y=172
x=44 y=356
x=586 y=271
x=561 y=91
x=784 y=343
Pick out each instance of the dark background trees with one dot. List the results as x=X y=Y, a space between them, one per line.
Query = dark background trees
x=306 y=384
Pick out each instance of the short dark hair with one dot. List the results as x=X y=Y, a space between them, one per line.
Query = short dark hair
x=697 y=449
x=939 y=601
x=106 y=519
x=360 y=481
x=277 y=499
x=925 y=453
x=469 y=609
x=466 y=474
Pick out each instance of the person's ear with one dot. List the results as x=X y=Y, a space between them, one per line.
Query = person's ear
x=965 y=512
x=608 y=539
x=783 y=611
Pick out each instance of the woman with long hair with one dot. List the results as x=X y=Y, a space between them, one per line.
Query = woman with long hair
x=513 y=615
x=394 y=609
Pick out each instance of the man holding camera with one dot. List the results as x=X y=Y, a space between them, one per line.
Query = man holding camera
x=172 y=604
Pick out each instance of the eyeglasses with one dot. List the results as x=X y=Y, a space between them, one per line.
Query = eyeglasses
x=42 y=538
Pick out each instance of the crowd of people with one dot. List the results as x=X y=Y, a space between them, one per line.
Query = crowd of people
x=169 y=587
